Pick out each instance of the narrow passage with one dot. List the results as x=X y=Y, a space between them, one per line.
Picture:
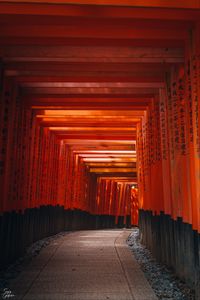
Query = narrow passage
x=84 y=265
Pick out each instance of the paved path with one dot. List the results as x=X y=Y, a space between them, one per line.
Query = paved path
x=84 y=265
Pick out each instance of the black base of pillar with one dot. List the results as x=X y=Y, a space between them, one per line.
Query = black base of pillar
x=174 y=243
x=20 y=230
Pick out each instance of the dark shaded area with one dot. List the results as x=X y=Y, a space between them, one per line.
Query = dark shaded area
x=173 y=243
x=20 y=230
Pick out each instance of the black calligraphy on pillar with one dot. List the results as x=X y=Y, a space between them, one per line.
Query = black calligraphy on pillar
x=182 y=118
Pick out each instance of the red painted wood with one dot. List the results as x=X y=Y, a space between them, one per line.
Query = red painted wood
x=78 y=78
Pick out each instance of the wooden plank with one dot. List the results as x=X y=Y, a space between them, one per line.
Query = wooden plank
x=102 y=12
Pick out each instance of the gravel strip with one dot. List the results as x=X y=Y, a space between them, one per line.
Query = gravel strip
x=163 y=281
x=13 y=270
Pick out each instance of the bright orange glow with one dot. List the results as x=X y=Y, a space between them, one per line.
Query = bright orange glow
x=108 y=155
x=106 y=159
x=112 y=170
x=110 y=164
x=92 y=113
x=98 y=142
x=107 y=151
x=92 y=129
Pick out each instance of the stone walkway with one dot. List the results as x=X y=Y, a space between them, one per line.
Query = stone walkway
x=84 y=265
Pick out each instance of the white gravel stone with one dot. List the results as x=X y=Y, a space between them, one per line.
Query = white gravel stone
x=163 y=281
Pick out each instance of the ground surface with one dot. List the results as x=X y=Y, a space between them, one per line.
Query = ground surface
x=84 y=265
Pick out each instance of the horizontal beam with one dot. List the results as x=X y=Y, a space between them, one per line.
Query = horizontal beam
x=141 y=3
x=119 y=107
x=112 y=155
x=112 y=170
x=96 y=137
x=79 y=67
x=98 y=124
x=109 y=160
x=98 y=142
x=120 y=179
x=91 y=71
x=170 y=60
x=102 y=146
x=113 y=164
x=90 y=85
x=87 y=21
x=107 y=130
x=21 y=53
x=91 y=114
x=92 y=41
x=56 y=78
x=89 y=91
x=140 y=102
x=44 y=9
x=131 y=175
x=88 y=31
x=105 y=152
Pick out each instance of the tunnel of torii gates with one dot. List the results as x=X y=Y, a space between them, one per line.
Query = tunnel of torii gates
x=99 y=118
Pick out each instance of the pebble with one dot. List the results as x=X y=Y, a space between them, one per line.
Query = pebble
x=163 y=281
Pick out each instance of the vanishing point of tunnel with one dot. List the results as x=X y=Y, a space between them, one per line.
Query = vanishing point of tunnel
x=99 y=133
